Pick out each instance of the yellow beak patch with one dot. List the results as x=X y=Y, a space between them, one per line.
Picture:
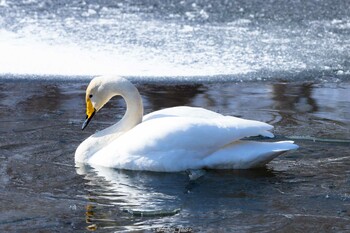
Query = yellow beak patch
x=90 y=112
x=89 y=108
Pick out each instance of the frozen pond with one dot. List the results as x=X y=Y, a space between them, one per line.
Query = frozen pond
x=255 y=39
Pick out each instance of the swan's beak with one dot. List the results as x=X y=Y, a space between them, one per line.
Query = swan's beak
x=90 y=112
x=87 y=120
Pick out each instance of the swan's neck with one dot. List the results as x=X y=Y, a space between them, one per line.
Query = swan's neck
x=132 y=117
x=134 y=108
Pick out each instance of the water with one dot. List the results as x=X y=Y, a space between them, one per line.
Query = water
x=285 y=63
x=41 y=190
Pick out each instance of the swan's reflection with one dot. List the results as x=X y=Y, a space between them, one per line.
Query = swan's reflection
x=120 y=198
x=155 y=191
x=134 y=190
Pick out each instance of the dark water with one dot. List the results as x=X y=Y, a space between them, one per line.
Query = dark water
x=304 y=190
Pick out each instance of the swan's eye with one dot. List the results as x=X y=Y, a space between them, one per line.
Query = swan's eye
x=90 y=96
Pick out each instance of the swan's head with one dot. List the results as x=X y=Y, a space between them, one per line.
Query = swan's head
x=98 y=93
x=102 y=89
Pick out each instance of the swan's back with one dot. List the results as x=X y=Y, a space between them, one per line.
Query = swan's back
x=183 y=111
x=196 y=115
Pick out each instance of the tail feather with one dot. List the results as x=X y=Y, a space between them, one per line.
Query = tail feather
x=247 y=154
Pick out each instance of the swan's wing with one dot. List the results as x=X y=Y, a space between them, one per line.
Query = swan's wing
x=196 y=115
x=182 y=111
x=175 y=143
x=191 y=133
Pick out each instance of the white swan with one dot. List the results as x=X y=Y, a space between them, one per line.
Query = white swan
x=172 y=139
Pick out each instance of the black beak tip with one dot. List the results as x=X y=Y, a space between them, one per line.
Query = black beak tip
x=87 y=120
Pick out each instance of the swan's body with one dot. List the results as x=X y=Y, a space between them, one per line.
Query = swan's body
x=172 y=139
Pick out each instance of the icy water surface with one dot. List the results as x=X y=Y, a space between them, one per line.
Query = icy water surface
x=304 y=190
